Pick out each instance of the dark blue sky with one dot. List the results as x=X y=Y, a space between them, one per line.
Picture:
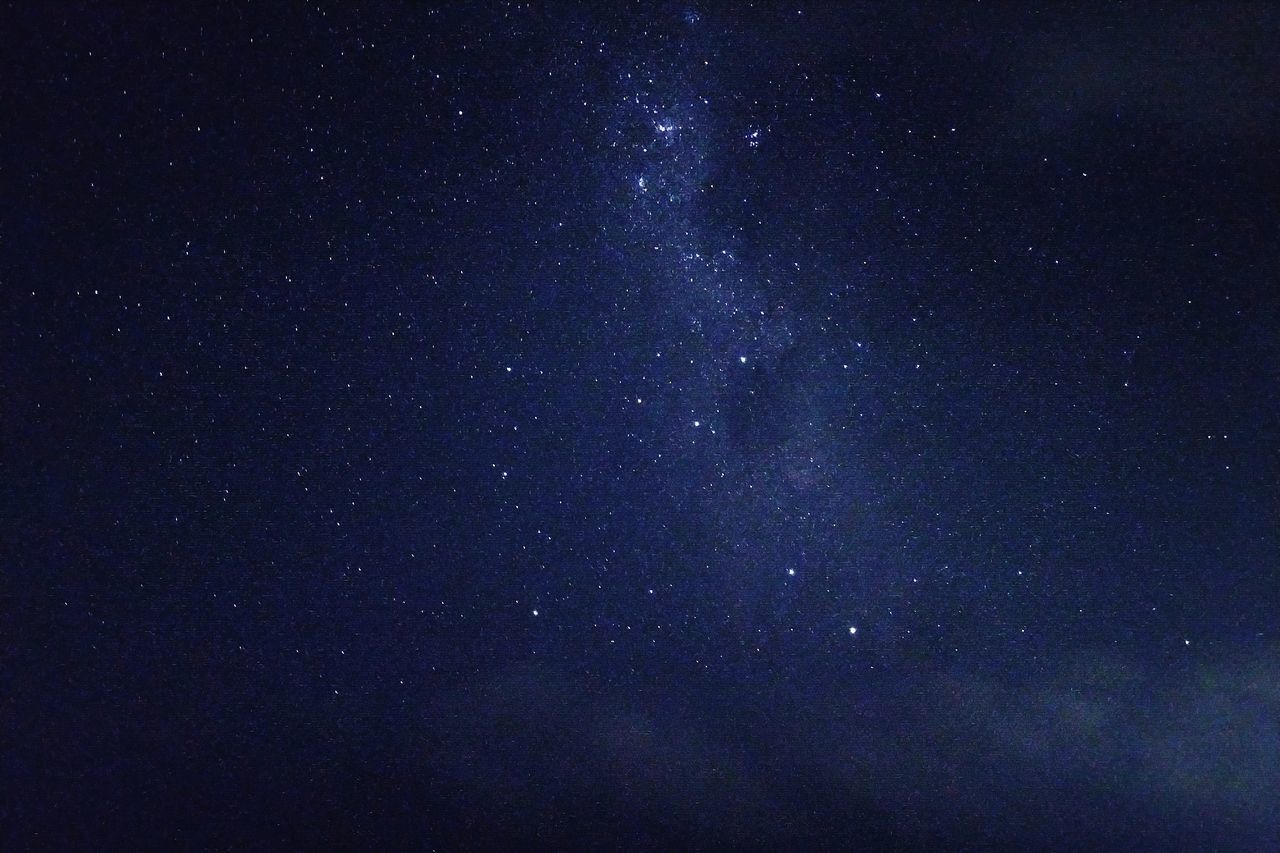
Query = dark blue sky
x=805 y=427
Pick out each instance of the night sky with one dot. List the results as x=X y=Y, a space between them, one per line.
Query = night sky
x=665 y=426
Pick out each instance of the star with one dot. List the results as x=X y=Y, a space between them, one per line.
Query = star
x=609 y=218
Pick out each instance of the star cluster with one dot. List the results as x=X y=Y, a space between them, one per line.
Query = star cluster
x=691 y=426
